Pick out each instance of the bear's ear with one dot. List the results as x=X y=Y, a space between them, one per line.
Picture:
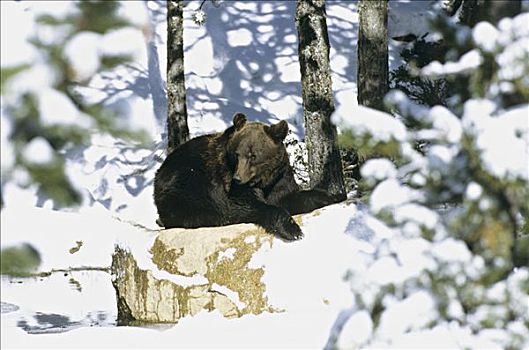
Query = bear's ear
x=278 y=131
x=239 y=119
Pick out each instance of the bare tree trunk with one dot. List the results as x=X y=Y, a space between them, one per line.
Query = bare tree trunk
x=177 y=130
x=325 y=167
x=373 y=53
x=469 y=12
x=474 y=11
x=451 y=6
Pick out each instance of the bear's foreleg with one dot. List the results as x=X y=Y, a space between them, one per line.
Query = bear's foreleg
x=247 y=207
x=306 y=201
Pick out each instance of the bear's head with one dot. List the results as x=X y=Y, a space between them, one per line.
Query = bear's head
x=256 y=153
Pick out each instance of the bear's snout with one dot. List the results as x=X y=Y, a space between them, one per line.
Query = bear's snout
x=244 y=172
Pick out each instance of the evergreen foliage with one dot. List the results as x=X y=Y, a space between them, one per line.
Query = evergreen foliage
x=22 y=260
x=23 y=107
x=459 y=206
x=421 y=89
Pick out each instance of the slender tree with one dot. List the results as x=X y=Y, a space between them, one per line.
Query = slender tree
x=177 y=129
x=373 y=53
x=325 y=167
x=474 y=11
x=451 y=6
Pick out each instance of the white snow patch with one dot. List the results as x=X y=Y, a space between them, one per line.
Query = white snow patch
x=82 y=53
x=15 y=49
x=503 y=140
x=203 y=48
x=38 y=151
x=356 y=331
x=381 y=230
x=126 y=41
x=239 y=37
x=7 y=151
x=407 y=106
x=440 y=156
x=447 y=123
x=55 y=108
x=135 y=12
x=39 y=76
x=416 y=213
x=451 y=250
x=419 y=309
x=412 y=254
x=359 y=120
x=485 y=36
x=378 y=169
x=233 y=296
x=409 y=17
x=387 y=270
x=468 y=62
x=288 y=68
x=513 y=60
x=227 y=254
x=389 y=194
x=473 y=191
x=249 y=239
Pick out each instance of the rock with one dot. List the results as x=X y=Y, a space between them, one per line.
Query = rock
x=205 y=269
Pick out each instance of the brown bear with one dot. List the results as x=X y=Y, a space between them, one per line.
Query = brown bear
x=241 y=175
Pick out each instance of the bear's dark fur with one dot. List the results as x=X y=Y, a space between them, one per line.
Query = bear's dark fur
x=242 y=175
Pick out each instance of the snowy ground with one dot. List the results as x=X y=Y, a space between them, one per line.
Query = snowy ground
x=243 y=59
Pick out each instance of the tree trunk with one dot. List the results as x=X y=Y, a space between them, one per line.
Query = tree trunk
x=469 y=12
x=373 y=53
x=325 y=167
x=177 y=130
x=451 y=6
x=474 y=11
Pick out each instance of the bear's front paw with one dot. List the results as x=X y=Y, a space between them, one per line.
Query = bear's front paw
x=287 y=229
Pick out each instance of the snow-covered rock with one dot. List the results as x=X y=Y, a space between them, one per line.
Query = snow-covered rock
x=234 y=270
x=206 y=269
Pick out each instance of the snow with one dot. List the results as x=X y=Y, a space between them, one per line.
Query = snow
x=419 y=310
x=55 y=108
x=356 y=331
x=409 y=17
x=513 y=59
x=468 y=62
x=447 y=123
x=7 y=151
x=241 y=37
x=473 y=191
x=440 y=156
x=127 y=41
x=417 y=213
x=389 y=194
x=485 y=36
x=59 y=294
x=382 y=126
x=134 y=12
x=38 y=151
x=452 y=250
x=14 y=51
x=378 y=169
x=399 y=99
x=82 y=53
x=96 y=250
x=502 y=139
x=38 y=76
